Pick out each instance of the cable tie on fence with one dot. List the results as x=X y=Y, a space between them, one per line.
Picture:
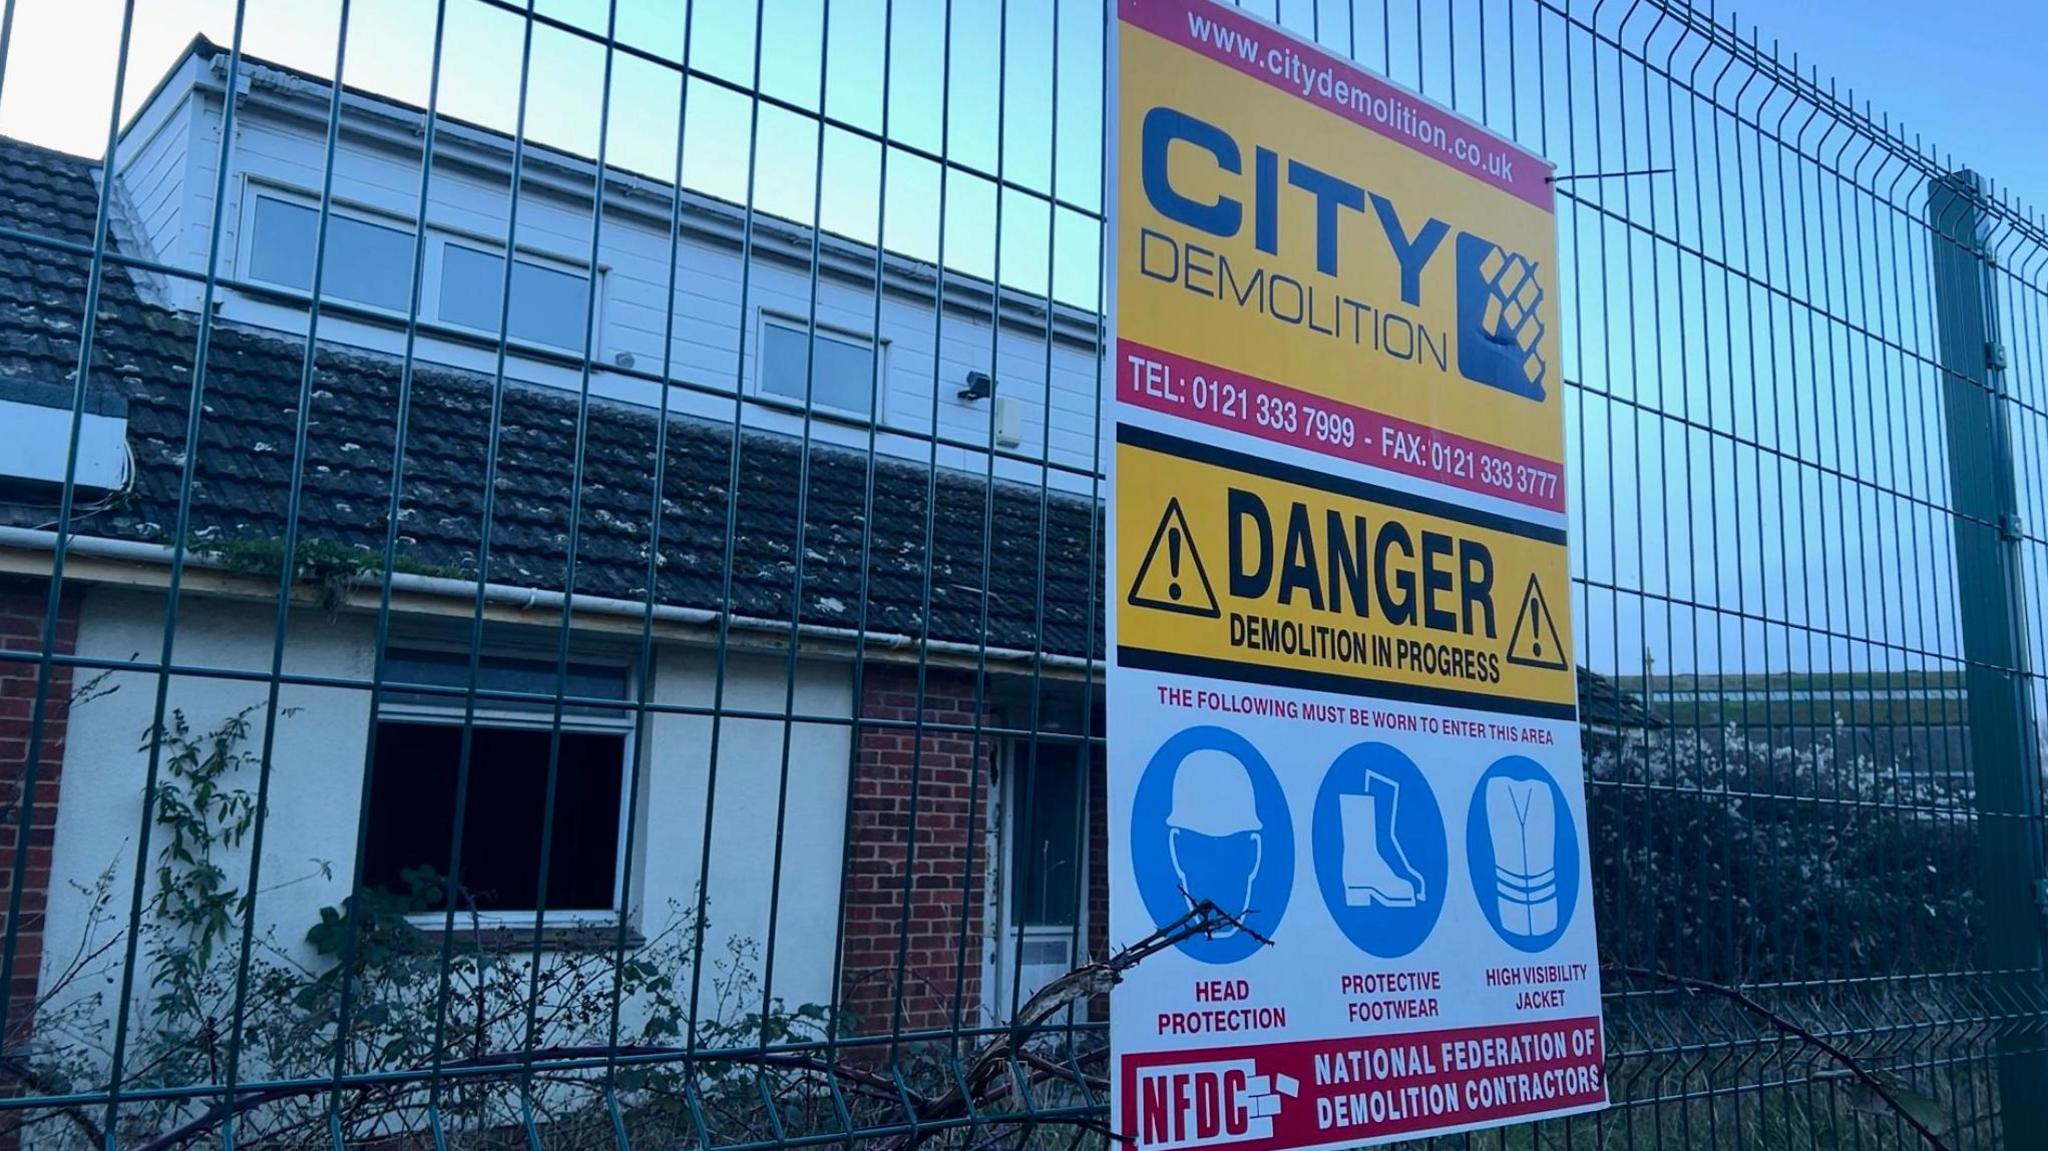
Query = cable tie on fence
x=1556 y=178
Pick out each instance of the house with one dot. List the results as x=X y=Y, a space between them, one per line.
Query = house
x=1910 y=721
x=1611 y=719
x=829 y=667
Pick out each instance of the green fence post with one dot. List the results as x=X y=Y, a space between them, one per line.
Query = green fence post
x=1984 y=507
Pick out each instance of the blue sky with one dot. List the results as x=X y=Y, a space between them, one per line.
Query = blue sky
x=1967 y=74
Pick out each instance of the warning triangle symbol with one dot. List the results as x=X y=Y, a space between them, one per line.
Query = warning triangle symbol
x=1171 y=576
x=1535 y=642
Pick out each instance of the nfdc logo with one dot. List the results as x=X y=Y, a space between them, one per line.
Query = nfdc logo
x=1207 y=1104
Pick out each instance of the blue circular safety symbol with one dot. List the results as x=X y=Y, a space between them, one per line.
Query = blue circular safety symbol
x=1210 y=822
x=1381 y=858
x=1523 y=848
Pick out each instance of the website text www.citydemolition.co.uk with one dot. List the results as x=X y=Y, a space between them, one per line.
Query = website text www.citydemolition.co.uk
x=1431 y=130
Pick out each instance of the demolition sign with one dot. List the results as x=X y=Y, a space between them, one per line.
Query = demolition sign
x=1343 y=719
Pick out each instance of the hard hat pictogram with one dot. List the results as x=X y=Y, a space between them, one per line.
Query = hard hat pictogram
x=1212 y=795
x=1535 y=642
x=1171 y=576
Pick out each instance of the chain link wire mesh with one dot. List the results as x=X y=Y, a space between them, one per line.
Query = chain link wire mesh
x=550 y=593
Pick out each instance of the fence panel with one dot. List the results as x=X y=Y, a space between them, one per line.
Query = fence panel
x=550 y=593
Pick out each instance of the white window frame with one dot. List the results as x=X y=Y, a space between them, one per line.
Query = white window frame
x=430 y=293
x=765 y=317
x=431 y=255
x=450 y=714
x=254 y=189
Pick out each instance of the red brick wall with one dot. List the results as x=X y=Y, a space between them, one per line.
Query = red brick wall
x=1098 y=872
x=951 y=849
x=23 y=604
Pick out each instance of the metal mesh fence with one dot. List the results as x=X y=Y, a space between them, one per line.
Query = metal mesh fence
x=550 y=592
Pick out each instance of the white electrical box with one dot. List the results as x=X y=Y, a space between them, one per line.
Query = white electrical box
x=35 y=445
x=1009 y=422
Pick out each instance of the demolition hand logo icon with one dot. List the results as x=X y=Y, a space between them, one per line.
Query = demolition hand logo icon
x=1498 y=328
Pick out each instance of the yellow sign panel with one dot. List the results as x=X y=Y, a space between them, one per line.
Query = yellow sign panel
x=1239 y=568
x=1277 y=223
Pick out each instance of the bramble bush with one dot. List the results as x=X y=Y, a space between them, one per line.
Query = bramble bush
x=1737 y=861
x=522 y=1038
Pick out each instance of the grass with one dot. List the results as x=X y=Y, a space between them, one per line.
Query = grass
x=334 y=567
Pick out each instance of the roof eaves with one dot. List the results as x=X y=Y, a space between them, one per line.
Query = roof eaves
x=198 y=46
x=148 y=564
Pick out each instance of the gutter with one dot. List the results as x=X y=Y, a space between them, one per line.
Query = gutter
x=116 y=562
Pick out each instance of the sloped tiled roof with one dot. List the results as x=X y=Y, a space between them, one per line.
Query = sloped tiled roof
x=242 y=475
x=1603 y=702
x=242 y=478
x=43 y=289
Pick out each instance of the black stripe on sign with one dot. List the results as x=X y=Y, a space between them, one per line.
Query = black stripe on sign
x=1229 y=669
x=1164 y=444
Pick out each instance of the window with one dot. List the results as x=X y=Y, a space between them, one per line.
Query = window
x=1046 y=859
x=1045 y=875
x=841 y=369
x=370 y=263
x=547 y=306
x=414 y=771
x=366 y=263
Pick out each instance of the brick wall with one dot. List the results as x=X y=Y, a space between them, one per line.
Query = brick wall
x=1097 y=894
x=23 y=604
x=951 y=849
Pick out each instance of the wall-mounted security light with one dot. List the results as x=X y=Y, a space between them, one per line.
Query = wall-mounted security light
x=980 y=386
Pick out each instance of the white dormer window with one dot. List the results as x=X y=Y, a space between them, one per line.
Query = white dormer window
x=370 y=258
x=548 y=303
x=367 y=263
x=834 y=371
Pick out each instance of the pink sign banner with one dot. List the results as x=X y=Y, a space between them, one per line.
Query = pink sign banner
x=1161 y=381
x=1249 y=46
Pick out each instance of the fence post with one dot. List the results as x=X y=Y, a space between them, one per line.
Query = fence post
x=1984 y=518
